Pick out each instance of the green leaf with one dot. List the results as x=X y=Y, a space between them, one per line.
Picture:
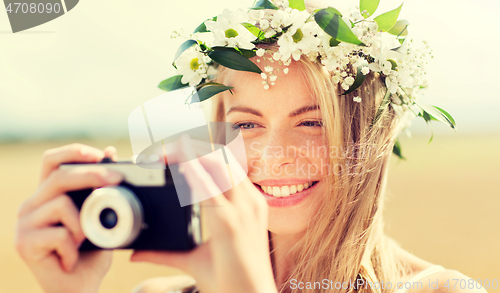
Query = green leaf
x=334 y=42
x=247 y=53
x=234 y=60
x=208 y=90
x=297 y=4
x=202 y=28
x=397 y=150
x=447 y=115
x=394 y=65
x=264 y=4
x=186 y=45
x=437 y=114
x=400 y=28
x=360 y=78
x=172 y=84
x=381 y=108
x=254 y=30
x=387 y=20
x=330 y=20
x=369 y=5
x=428 y=119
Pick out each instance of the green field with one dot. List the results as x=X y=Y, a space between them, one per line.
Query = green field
x=442 y=204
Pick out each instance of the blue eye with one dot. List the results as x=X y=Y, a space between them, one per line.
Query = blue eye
x=244 y=125
x=311 y=123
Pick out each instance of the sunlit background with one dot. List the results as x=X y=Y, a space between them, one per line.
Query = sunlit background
x=78 y=77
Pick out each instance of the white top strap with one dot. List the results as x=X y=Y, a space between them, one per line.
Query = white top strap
x=427 y=272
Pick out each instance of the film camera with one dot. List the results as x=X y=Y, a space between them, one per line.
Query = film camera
x=142 y=212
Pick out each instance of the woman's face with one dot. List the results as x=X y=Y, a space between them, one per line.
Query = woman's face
x=284 y=143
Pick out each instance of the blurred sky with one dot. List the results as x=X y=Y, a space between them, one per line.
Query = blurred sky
x=83 y=73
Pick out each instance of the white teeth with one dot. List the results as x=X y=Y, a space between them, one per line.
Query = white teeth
x=284 y=191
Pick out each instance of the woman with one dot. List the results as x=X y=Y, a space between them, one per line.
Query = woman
x=309 y=210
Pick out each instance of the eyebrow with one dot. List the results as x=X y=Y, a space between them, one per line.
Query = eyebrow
x=244 y=110
x=257 y=113
x=303 y=110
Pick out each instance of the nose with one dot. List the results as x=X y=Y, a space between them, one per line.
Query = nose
x=278 y=151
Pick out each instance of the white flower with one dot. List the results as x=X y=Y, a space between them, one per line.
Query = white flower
x=365 y=70
x=264 y=24
x=300 y=37
x=285 y=71
x=349 y=80
x=275 y=23
x=266 y=87
x=268 y=69
x=191 y=66
x=374 y=67
x=386 y=67
x=263 y=75
x=273 y=78
x=357 y=99
x=260 y=52
x=228 y=31
x=269 y=34
x=391 y=82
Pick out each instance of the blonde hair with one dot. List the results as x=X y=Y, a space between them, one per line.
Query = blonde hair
x=345 y=240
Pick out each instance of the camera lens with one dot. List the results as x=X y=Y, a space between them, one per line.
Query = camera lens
x=108 y=218
x=112 y=217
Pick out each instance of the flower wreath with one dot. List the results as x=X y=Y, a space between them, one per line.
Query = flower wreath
x=349 y=46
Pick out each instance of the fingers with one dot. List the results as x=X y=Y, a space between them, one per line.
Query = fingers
x=63 y=180
x=174 y=151
x=68 y=154
x=58 y=210
x=111 y=152
x=35 y=245
x=200 y=181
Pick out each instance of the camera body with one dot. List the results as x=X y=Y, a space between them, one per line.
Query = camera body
x=141 y=213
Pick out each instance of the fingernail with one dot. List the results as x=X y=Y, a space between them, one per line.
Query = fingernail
x=113 y=177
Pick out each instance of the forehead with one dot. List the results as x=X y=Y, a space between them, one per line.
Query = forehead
x=290 y=91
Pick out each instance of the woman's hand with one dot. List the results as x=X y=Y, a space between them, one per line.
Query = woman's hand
x=236 y=258
x=50 y=251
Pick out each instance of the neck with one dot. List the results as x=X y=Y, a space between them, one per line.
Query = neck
x=281 y=258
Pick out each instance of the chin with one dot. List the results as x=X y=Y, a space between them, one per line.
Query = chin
x=294 y=218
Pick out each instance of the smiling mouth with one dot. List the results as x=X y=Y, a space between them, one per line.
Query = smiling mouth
x=287 y=190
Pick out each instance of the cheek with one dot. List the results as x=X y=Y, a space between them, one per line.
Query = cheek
x=254 y=150
x=315 y=151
